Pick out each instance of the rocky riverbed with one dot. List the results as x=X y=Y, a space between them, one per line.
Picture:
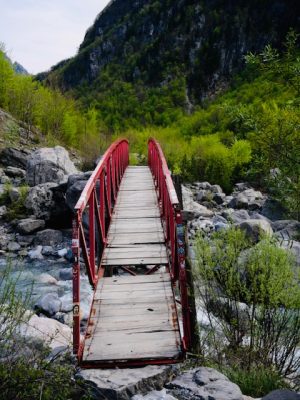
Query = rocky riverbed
x=38 y=191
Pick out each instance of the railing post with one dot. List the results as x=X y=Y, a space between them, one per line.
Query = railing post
x=92 y=235
x=76 y=285
x=181 y=268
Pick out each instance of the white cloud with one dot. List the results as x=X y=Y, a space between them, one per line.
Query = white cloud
x=40 y=33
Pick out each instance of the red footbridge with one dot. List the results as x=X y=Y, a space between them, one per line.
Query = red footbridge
x=128 y=236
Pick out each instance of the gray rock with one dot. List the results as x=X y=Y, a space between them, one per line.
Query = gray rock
x=14 y=194
x=204 y=195
x=40 y=200
x=14 y=157
x=36 y=254
x=66 y=274
x=49 y=165
x=30 y=225
x=4 y=179
x=204 y=384
x=273 y=210
x=15 y=172
x=73 y=193
x=48 y=237
x=240 y=201
x=13 y=246
x=25 y=240
x=240 y=187
x=48 y=251
x=216 y=189
x=62 y=252
x=3 y=211
x=49 y=304
x=219 y=198
x=122 y=384
x=203 y=185
x=255 y=228
x=235 y=216
x=155 y=395
x=287 y=229
x=282 y=394
x=294 y=247
x=66 y=302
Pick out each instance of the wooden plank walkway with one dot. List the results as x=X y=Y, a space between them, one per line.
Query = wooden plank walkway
x=134 y=317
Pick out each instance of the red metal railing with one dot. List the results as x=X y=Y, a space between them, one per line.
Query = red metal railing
x=92 y=217
x=173 y=228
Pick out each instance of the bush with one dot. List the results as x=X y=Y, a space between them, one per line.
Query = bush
x=251 y=296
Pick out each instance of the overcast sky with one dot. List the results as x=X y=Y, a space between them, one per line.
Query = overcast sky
x=40 y=33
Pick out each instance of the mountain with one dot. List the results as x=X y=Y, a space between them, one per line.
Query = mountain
x=19 y=69
x=152 y=42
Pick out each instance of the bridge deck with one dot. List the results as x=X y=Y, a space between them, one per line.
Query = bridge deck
x=134 y=317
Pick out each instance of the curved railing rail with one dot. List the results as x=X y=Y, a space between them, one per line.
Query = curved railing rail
x=173 y=229
x=91 y=220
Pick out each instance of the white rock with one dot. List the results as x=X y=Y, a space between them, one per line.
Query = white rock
x=36 y=254
x=50 y=331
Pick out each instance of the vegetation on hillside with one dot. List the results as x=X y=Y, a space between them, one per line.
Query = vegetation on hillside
x=244 y=133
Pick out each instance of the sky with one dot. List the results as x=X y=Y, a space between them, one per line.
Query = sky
x=40 y=33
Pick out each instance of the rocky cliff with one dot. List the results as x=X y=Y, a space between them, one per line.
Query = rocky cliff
x=151 y=42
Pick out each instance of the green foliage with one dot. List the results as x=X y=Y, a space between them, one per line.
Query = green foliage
x=256 y=382
x=252 y=298
x=15 y=209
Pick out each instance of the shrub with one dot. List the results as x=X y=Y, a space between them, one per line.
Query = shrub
x=252 y=298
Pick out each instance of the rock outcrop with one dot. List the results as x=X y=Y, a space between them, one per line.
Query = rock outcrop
x=49 y=165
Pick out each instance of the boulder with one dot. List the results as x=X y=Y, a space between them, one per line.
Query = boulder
x=282 y=394
x=235 y=216
x=40 y=202
x=122 y=384
x=13 y=246
x=14 y=194
x=49 y=304
x=30 y=225
x=73 y=193
x=216 y=189
x=66 y=274
x=255 y=228
x=36 y=254
x=14 y=157
x=239 y=201
x=287 y=229
x=49 y=165
x=219 y=198
x=204 y=384
x=48 y=331
x=15 y=172
x=48 y=237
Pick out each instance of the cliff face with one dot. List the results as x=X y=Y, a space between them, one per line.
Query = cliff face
x=152 y=41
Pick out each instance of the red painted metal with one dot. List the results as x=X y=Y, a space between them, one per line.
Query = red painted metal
x=173 y=228
x=94 y=208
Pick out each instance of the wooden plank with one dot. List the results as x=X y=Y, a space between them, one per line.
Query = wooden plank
x=132 y=252
x=126 y=346
x=143 y=286
x=132 y=238
x=133 y=213
x=120 y=280
x=114 y=262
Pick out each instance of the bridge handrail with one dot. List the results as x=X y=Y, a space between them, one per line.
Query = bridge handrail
x=173 y=228
x=97 y=200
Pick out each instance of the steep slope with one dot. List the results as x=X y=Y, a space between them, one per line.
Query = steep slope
x=152 y=42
